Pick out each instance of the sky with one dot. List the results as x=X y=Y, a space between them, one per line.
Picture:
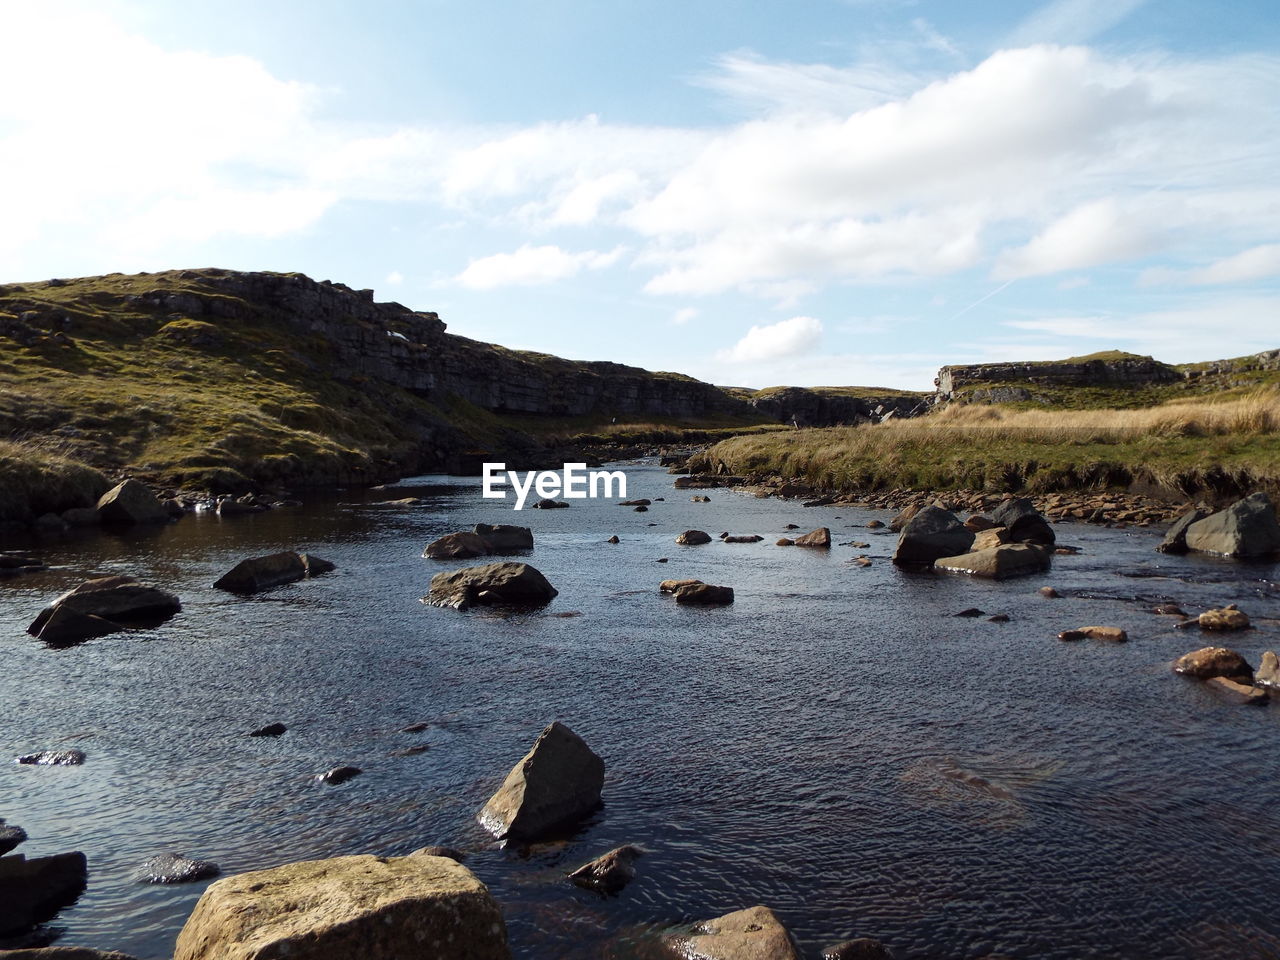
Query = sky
x=818 y=192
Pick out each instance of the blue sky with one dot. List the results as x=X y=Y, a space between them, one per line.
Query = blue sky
x=839 y=192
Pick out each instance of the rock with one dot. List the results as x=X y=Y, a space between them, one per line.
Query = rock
x=51 y=523
x=977 y=523
x=10 y=836
x=1175 y=540
x=113 y=602
x=877 y=524
x=504 y=538
x=700 y=499
x=863 y=948
x=784 y=542
x=553 y=786
x=609 y=873
x=671 y=586
x=991 y=537
x=516 y=584
x=13 y=563
x=1071 y=635
x=1228 y=618
x=131 y=502
x=1210 y=662
x=457 y=856
x=903 y=518
x=693 y=538
x=457 y=546
x=338 y=775
x=1106 y=634
x=971 y=612
x=704 y=594
x=1234 y=692
x=175 y=868
x=371 y=908
x=862 y=561
x=1246 y=529
x=230 y=507
x=932 y=533
x=33 y=891
x=548 y=504
x=53 y=758
x=790 y=491
x=415 y=727
x=63 y=953
x=998 y=563
x=1268 y=673
x=1049 y=592
x=613 y=539
x=82 y=517
x=752 y=538
x=1024 y=522
x=634 y=503
x=270 y=730
x=752 y=934
x=1169 y=610
x=816 y=538
x=641 y=509
x=792 y=526
x=998 y=618
x=262 y=573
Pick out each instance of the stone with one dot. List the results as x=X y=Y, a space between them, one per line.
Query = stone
x=613 y=539
x=457 y=546
x=118 y=601
x=51 y=523
x=642 y=509
x=1168 y=610
x=10 y=836
x=230 y=507
x=548 y=504
x=977 y=523
x=704 y=594
x=270 y=730
x=998 y=563
x=634 y=503
x=752 y=934
x=553 y=786
x=863 y=948
x=998 y=618
x=931 y=534
x=338 y=775
x=877 y=524
x=1175 y=539
x=82 y=517
x=1049 y=592
x=903 y=518
x=1268 y=672
x=63 y=953
x=175 y=868
x=275 y=569
x=1105 y=634
x=436 y=851
x=970 y=612
x=1024 y=522
x=784 y=542
x=1208 y=662
x=504 y=538
x=33 y=891
x=508 y=583
x=693 y=538
x=371 y=908
x=52 y=758
x=1234 y=692
x=751 y=538
x=991 y=537
x=1246 y=529
x=671 y=586
x=609 y=873
x=62 y=627
x=1228 y=618
x=815 y=538
x=131 y=502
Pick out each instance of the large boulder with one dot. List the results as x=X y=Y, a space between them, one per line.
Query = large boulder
x=1175 y=538
x=554 y=785
x=703 y=594
x=998 y=563
x=101 y=606
x=457 y=546
x=515 y=584
x=63 y=953
x=374 y=908
x=503 y=538
x=1214 y=662
x=815 y=538
x=1227 y=618
x=131 y=502
x=1268 y=674
x=263 y=573
x=1232 y=691
x=33 y=891
x=693 y=538
x=1024 y=522
x=1246 y=529
x=931 y=534
x=752 y=934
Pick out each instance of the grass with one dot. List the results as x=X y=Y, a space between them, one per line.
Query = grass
x=36 y=479
x=1226 y=446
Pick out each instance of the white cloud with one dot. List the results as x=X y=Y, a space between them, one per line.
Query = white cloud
x=1072 y=21
x=684 y=315
x=786 y=338
x=395 y=278
x=531 y=266
x=1093 y=233
x=1256 y=263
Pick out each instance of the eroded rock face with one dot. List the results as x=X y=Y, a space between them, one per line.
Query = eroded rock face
x=609 y=873
x=931 y=534
x=262 y=573
x=752 y=934
x=373 y=908
x=552 y=787
x=515 y=584
x=1246 y=529
x=33 y=891
x=998 y=563
x=131 y=502
x=1214 y=662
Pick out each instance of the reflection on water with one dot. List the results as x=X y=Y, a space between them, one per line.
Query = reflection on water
x=836 y=744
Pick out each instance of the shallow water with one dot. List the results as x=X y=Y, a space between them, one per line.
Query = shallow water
x=836 y=744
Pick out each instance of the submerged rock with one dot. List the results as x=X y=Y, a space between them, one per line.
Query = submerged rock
x=453 y=854
x=516 y=584
x=548 y=504
x=998 y=563
x=33 y=891
x=704 y=594
x=609 y=873
x=63 y=953
x=1235 y=692
x=1105 y=634
x=53 y=758
x=262 y=573
x=131 y=502
x=552 y=787
x=485 y=540
x=750 y=538
x=338 y=775
x=1246 y=529
x=270 y=730
x=693 y=538
x=1210 y=662
x=752 y=934
x=931 y=534
x=175 y=868
x=457 y=546
x=62 y=628
x=101 y=606
x=371 y=908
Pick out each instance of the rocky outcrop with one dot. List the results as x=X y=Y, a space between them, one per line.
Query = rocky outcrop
x=553 y=786
x=514 y=584
x=609 y=873
x=820 y=538
x=102 y=606
x=1002 y=562
x=374 y=908
x=815 y=407
x=1109 y=370
x=752 y=934
x=131 y=502
x=263 y=573
x=1210 y=662
x=1247 y=530
x=33 y=891
x=931 y=534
